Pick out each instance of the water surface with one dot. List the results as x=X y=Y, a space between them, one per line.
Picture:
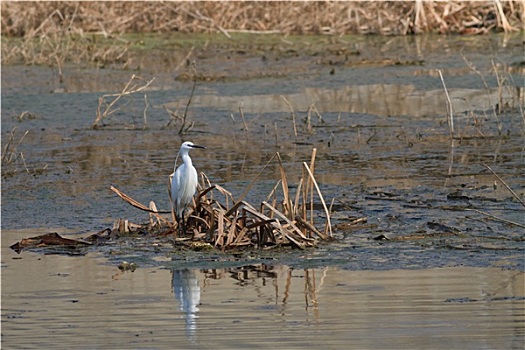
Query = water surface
x=61 y=302
x=438 y=263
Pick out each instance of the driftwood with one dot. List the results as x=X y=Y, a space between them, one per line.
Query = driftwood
x=47 y=240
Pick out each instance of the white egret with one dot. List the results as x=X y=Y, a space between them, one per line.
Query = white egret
x=183 y=182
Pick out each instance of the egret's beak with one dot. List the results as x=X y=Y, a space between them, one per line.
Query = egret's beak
x=197 y=146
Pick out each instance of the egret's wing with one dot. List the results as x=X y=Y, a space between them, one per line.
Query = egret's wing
x=169 y=187
x=175 y=186
x=188 y=185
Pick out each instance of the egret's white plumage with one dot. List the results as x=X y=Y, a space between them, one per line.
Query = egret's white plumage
x=183 y=181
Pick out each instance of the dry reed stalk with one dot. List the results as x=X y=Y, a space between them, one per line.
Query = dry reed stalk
x=506 y=82
x=312 y=17
x=135 y=203
x=450 y=109
x=10 y=152
x=287 y=203
x=506 y=186
x=183 y=127
x=145 y=117
x=310 y=185
x=487 y=90
x=241 y=113
x=496 y=218
x=328 y=226
x=293 y=115
x=126 y=91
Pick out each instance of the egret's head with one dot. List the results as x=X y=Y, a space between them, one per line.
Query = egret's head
x=186 y=146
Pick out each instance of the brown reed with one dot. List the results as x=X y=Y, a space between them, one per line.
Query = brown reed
x=109 y=18
x=282 y=220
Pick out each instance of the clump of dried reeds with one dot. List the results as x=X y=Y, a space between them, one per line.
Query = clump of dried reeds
x=280 y=220
x=310 y=17
x=56 y=32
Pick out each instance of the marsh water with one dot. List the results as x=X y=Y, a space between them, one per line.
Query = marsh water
x=437 y=262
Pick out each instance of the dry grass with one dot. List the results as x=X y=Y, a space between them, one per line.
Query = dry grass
x=312 y=17
x=55 y=33
x=218 y=219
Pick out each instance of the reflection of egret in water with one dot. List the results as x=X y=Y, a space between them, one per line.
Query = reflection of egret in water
x=187 y=291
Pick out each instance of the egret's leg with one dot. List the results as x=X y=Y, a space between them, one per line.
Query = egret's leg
x=183 y=227
x=182 y=223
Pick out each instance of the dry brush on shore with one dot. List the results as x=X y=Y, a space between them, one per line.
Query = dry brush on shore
x=309 y=17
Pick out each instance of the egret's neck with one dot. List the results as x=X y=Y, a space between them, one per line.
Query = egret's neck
x=186 y=159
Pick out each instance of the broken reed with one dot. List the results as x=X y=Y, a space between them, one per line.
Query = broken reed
x=282 y=219
x=276 y=222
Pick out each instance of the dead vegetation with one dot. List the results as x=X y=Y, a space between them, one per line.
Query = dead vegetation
x=55 y=33
x=111 y=103
x=11 y=155
x=312 y=17
x=219 y=220
x=506 y=99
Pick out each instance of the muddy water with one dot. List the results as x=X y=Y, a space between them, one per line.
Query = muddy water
x=450 y=275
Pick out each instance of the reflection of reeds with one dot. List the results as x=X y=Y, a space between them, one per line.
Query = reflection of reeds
x=280 y=220
x=286 y=282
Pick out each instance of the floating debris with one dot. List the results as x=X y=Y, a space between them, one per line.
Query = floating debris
x=126 y=266
x=47 y=240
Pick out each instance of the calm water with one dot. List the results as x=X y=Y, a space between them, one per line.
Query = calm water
x=450 y=277
x=64 y=302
